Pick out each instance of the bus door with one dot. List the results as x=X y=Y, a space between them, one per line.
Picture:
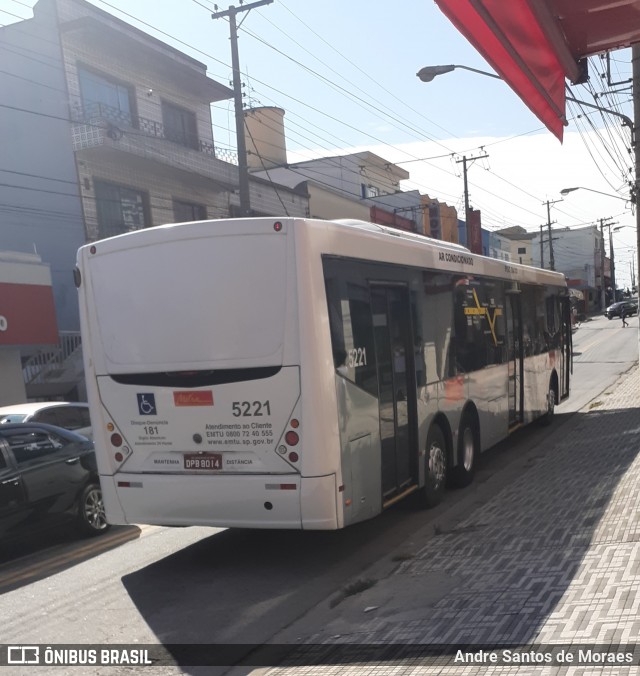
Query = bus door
x=515 y=356
x=396 y=386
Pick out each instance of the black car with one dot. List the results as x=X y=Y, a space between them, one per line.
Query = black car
x=615 y=310
x=48 y=474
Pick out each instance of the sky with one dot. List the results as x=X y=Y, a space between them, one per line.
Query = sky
x=345 y=74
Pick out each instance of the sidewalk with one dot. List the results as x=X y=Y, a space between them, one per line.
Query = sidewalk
x=552 y=558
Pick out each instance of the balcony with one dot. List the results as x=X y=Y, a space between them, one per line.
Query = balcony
x=111 y=130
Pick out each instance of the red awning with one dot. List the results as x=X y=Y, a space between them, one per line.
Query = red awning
x=535 y=44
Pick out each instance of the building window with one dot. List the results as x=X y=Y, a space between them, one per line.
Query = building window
x=186 y=211
x=105 y=98
x=522 y=249
x=369 y=190
x=180 y=125
x=120 y=209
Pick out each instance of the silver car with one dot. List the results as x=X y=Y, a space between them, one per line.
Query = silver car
x=69 y=415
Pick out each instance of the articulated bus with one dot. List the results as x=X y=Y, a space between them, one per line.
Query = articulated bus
x=307 y=374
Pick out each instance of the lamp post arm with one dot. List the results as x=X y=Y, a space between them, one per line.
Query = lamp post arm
x=627 y=120
x=565 y=191
x=482 y=72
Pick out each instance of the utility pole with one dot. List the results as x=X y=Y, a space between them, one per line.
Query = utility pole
x=552 y=264
x=612 y=265
x=602 y=224
x=635 y=62
x=541 y=247
x=243 y=168
x=467 y=210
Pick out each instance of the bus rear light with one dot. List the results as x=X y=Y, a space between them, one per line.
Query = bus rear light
x=119 y=457
x=291 y=438
x=110 y=427
x=295 y=423
x=116 y=440
x=288 y=487
x=293 y=456
x=277 y=226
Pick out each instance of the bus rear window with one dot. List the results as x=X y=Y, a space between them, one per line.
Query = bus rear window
x=203 y=301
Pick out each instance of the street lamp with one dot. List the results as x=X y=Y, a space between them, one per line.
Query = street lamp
x=427 y=73
x=565 y=191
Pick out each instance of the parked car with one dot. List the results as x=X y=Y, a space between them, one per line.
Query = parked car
x=615 y=310
x=71 y=415
x=48 y=474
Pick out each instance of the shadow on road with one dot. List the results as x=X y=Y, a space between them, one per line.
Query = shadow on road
x=47 y=550
x=493 y=577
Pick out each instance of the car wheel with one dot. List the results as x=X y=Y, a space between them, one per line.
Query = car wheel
x=91 y=516
x=435 y=468
x=468 y=451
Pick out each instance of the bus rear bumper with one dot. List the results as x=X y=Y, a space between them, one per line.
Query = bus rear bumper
x=238 y=501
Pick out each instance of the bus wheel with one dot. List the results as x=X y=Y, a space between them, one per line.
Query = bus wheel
x=547 y=418
x=435 y=468
x=468 y=450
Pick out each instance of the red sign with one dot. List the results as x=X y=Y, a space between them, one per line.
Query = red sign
x=27 y=315
x=193 y=398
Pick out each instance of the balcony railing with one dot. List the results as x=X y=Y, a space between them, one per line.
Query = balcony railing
x=118 y=121
x=54 y=362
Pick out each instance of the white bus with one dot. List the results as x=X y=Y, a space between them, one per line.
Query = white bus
x=297 y=373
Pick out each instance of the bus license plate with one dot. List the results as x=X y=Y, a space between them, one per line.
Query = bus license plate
x=202 y=461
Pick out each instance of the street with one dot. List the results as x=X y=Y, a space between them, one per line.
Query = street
x=202 y=585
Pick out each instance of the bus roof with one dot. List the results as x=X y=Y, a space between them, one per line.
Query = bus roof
x=393 y=245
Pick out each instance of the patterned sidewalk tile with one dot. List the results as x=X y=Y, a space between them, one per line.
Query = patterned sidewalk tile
x=553 y=558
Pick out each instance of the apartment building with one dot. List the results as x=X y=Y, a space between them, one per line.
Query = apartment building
x=107 y=129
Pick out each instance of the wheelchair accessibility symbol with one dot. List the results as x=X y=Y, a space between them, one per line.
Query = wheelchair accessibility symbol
x=147 y=404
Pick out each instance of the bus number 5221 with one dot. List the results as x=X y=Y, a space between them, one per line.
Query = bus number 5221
x=251 y=408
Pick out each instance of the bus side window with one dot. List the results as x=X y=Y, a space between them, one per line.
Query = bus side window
x=351 y=325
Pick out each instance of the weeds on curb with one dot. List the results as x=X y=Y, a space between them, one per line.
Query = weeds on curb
x=352 y=589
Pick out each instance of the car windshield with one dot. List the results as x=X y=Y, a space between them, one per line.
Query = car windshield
x=12 y=418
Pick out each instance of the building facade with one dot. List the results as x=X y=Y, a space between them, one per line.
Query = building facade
x=111 y=131
x=579 y=254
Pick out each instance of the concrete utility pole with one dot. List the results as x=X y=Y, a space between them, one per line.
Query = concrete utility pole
x=552 y=264
x=612 y=265
x=635 y=61
x=467 y=210
x=602 y=294
x=243 y=168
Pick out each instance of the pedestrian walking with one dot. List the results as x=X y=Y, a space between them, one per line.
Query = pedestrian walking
x=623 y=316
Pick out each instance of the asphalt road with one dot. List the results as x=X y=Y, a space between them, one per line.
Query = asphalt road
x=202 y=585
